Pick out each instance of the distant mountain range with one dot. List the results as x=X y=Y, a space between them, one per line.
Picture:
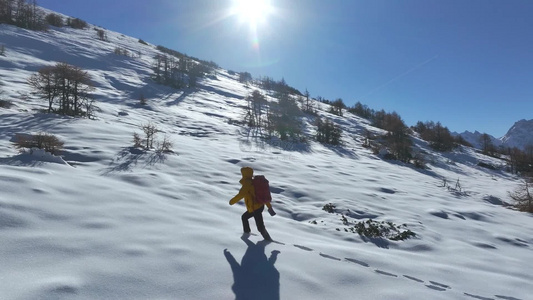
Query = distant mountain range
x=520 y=135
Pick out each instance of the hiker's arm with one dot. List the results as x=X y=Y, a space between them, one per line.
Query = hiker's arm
x=239 y=196
x=270 y=209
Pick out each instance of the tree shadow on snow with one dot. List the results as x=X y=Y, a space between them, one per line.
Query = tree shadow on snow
x=129 y=157
x=342 y=151
x=256 y=140
x=185 y=93
x=19 y=161
x=256 y=277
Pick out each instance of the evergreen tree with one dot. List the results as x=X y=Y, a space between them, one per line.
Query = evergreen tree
x=328 y=132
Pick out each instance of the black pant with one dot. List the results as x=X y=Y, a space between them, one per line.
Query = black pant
x=258 y=216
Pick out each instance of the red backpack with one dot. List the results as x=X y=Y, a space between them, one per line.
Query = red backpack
x=262 y=189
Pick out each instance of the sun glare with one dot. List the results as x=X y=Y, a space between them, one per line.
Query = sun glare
x=252 y=12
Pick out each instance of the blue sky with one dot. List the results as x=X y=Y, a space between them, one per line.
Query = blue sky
x=465 y=63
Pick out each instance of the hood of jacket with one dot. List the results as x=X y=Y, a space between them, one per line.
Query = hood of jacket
x=247 y=173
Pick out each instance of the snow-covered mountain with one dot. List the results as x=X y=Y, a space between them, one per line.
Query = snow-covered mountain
x=520 y=135
x=474 y=138
x=109 y=221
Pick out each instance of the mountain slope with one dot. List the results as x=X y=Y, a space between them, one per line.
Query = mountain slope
x=520 y=135
x=474 y=138
x=108 y=221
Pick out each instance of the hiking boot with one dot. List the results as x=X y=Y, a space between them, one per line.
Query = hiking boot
x=265 y=235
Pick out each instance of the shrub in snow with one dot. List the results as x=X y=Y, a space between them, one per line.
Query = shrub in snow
x=150 y=131
x=164 y=146
x=523 y=197
x=5 y=104
x=486 y=165
x=389 y=230
x=368 y=138
x=457 y=189
x=330 y=208
x=142 y=99
x=47 y=142
x=102 y=35
x=54 y=20
x=121 y=51
x=371 y=228
x=419 y=160
x=77 y=23
x=385 y=153
x=137 y=141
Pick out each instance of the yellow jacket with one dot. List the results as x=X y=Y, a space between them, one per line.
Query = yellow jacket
x=247 y=191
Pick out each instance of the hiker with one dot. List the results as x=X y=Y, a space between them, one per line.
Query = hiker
x=253 y=208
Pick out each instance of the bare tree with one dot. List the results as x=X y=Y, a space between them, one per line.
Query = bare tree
x=45 y=82
x=307 y=105
x=22 y=13
x=337 y=106
x=6 y=11
x=68 y=86
x=486 y=144
x=254 y=109
x=245 y=77
x=150 y=130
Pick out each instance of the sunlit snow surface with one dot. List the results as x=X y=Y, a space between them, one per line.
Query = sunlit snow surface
x=106 y=221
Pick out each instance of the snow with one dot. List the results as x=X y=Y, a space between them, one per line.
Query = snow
x=107 y=221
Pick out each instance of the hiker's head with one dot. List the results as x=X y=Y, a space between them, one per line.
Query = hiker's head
x=247 y=172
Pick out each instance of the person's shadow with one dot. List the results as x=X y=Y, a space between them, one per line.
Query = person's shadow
x=256 y=277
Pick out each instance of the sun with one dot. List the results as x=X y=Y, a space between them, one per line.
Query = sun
x=253 y=12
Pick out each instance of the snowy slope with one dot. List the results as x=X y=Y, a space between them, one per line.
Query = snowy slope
x=106 y=221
